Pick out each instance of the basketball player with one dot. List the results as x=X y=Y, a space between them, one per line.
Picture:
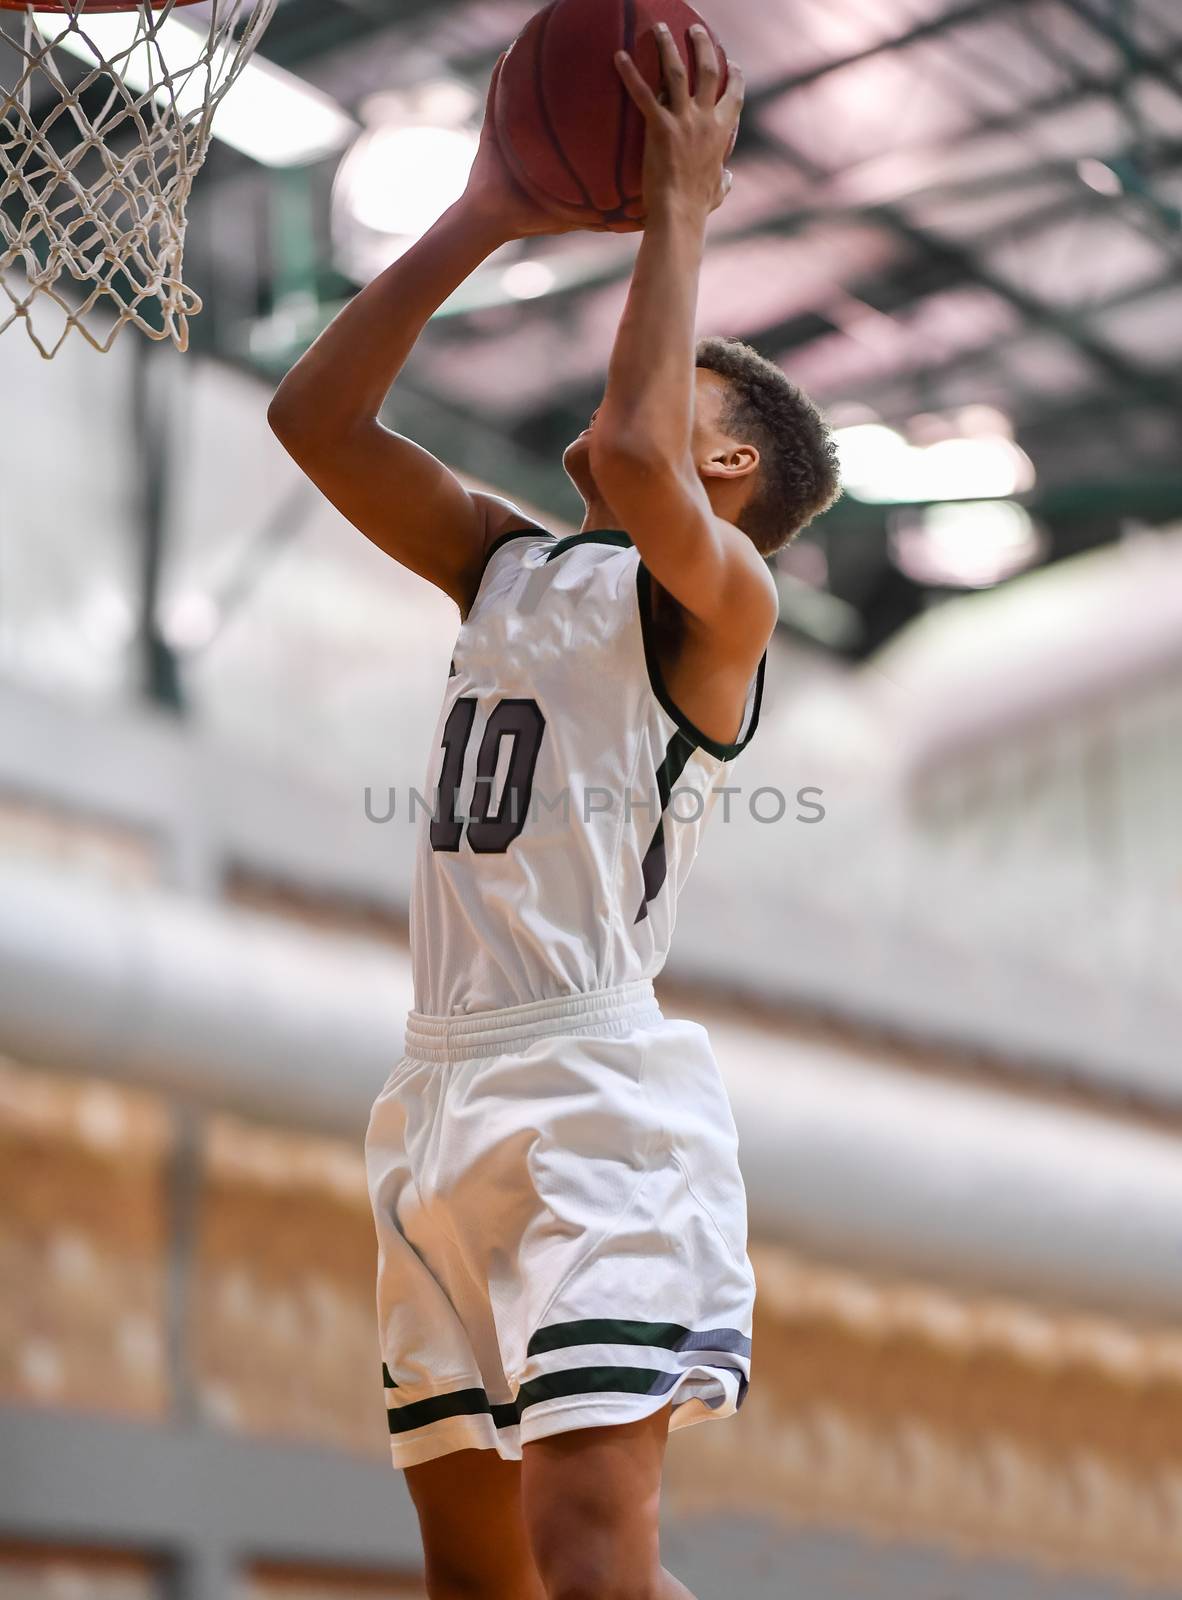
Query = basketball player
x=563 y=1268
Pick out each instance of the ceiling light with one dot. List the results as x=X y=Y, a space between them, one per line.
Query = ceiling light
x=526 y=280
x=983 y=422
x=394 y=183
x=878 y=465
x=970 y=469
x=930 y=427
x=437 y=103
x=871 y=455
x=447 y=102
x=269 y=114
x=971 y=545
x=1098 y=175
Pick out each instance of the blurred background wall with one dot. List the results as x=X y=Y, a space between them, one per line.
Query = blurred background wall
x=938 y=955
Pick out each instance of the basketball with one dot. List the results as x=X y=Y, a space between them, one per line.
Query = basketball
x=565 y=123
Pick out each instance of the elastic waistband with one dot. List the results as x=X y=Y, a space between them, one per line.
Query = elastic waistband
x=492 y=1033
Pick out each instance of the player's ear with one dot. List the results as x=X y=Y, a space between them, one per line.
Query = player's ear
x=734 y=461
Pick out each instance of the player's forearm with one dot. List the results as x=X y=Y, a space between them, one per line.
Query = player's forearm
x=648 y=405
x=344 y=377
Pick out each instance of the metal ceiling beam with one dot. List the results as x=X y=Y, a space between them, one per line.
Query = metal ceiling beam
x=935 y=269
x=304 y=29
x=931 y=29
x=1144 y=149
x=1138 y=60
x=1107 y=358
x=1153 y=499
x=968 y=360
x=904 y=284
x=1117 y=28
x=945 y=264
x=788 y=223
x=1082 y=86
x=474 y=445
x=1103 y=356
x=1102 y=413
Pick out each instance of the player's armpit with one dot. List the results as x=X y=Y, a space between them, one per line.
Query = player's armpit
x=710 y=568
x=405 y=501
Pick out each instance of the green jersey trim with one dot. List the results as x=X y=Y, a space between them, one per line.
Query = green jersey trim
x=515 y=533
x=722 y=752
x=596 y=536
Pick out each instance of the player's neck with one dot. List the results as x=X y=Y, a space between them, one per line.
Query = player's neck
x=598 y=517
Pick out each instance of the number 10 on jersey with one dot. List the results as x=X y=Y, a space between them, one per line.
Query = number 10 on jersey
x=489 y=832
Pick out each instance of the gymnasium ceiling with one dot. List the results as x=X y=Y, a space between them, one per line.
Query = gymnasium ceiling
x=938 y=204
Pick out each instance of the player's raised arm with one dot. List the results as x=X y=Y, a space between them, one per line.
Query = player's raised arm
x=641 y=452
x=325 y=412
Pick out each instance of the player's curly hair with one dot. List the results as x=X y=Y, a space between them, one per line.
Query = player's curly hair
x=799 y=475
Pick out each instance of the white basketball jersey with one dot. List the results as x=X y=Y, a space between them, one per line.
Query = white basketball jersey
x=569 y=792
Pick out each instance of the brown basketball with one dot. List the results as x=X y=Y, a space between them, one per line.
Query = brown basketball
x=568 y=129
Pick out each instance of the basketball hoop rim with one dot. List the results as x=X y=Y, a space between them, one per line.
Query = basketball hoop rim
x=62 y=7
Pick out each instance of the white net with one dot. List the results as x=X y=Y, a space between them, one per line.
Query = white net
x=105 y=119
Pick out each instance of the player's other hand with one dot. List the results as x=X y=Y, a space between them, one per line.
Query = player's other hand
x=495 y=194
x=688 y=137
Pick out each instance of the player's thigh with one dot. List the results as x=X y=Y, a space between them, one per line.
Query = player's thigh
x=470 y=1517
x=591 y=1501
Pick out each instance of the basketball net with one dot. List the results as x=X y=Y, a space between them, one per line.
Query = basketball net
x=103 y=127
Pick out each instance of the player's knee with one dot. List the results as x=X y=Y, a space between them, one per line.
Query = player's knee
x=460 y=1569
x=590 y=1581
x=453 y=1576
x=577 y=1561
x=592 y=1585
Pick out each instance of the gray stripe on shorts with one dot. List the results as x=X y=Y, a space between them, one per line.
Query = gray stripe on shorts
x=656 y=1335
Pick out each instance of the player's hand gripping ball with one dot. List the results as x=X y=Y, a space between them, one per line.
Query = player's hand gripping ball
x=688 y=136
x=493 y=193
x=569 y=130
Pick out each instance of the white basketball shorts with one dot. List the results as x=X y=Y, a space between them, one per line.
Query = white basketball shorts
x=562 y=1226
